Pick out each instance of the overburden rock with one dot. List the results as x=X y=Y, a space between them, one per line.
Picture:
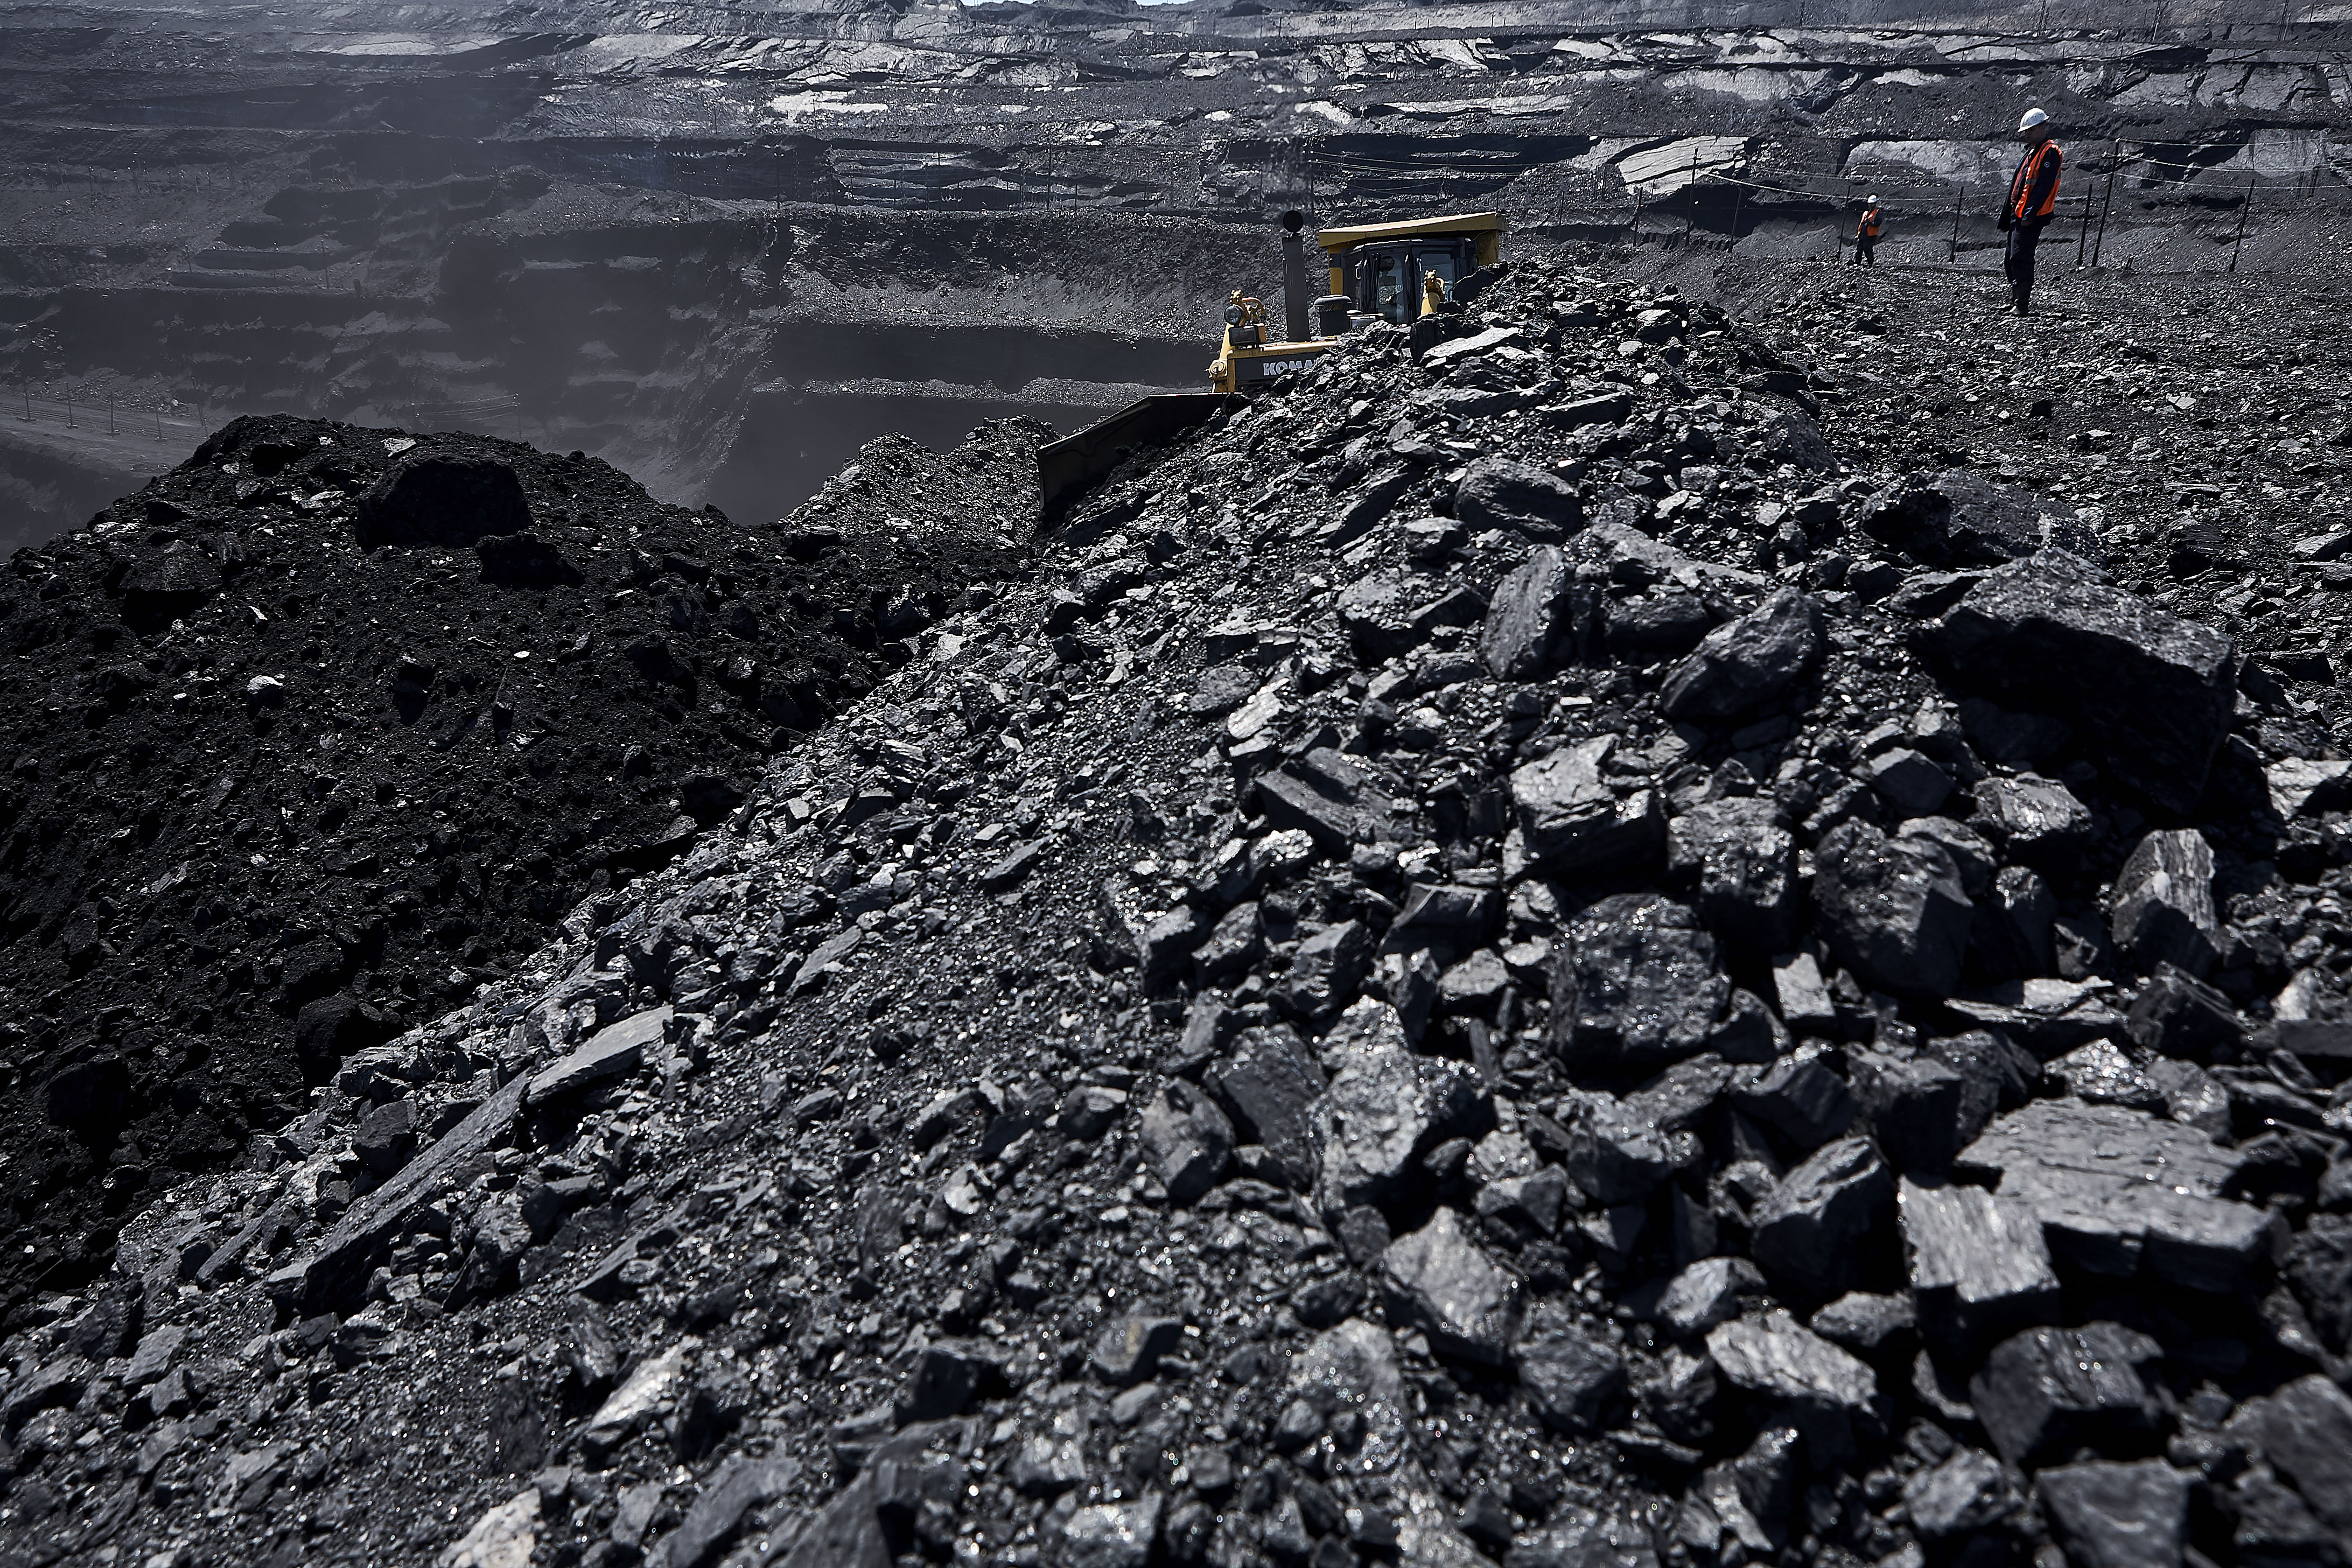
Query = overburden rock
x=334 y=1273
x=1956 y=517
x=1893 y=909
x=1636 y=984
x=1744 y=664
x=2152 y=695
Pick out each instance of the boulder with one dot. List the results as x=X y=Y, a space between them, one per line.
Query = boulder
x=436 y=499
x=2038 y=821
x=2305 y=1431
x=2117 y=1516
x=1384 y=1107
x=1111 y=1534
x=1574 y=817
x=1326 y=973
x=2045 y=1393
x=1186 y=1140
x=2117 y=1191
x=175 y=580
x=1571 y=1377
x=1780 y=1358
x=1979 y=1268
x=1268 y=1084
x=1531 y=618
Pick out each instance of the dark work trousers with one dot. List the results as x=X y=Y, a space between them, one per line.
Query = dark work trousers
x=2024 y=238
x=1865 y=252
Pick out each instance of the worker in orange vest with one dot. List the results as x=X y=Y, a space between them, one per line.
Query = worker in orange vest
x=2032 y=200
x=1865 y=236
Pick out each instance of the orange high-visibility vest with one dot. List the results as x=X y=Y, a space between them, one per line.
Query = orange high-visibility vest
x=1869 y=226
x=2029 y=174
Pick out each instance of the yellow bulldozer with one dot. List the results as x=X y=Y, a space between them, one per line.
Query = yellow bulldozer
x=1378 y=271
x=1393 y=272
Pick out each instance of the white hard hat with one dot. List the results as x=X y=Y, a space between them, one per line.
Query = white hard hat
x=1873 y=198
x=2033 y=117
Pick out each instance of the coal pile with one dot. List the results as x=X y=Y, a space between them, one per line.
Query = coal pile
x=329 y=726
x=1504 y=960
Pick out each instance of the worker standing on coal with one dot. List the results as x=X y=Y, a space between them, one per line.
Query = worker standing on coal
x=2032 y=199
x=1866 y=234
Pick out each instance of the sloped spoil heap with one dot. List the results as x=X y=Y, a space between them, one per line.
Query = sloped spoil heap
x=326 y=727
x=1476 y=972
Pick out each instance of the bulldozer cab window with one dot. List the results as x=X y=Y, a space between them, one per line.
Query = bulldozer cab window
x=1389 y=279
x=1384 y=289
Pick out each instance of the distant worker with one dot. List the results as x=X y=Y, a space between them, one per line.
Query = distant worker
x=1433 y=291
x=2032 y=199
x=1866 y=234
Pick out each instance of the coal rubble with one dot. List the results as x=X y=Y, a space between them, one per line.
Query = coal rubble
x=1477 y=969
x=329 y=726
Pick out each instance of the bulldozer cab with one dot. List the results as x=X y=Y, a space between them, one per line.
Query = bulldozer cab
x=1386 y=269
x=1392 y=279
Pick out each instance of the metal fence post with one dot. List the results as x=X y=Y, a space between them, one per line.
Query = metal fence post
x=2098 y=247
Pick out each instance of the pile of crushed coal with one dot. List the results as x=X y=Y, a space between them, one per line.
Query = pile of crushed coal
x=1500 y=960
x=314 y=734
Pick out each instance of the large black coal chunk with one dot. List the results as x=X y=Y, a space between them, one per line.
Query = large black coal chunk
x=524 y=561
x=444 y=499
x=2150 y=693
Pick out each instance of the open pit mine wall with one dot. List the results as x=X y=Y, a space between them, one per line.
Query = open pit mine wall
x=726 y=253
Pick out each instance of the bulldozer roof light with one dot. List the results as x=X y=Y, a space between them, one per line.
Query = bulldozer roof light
x=1335 y=240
